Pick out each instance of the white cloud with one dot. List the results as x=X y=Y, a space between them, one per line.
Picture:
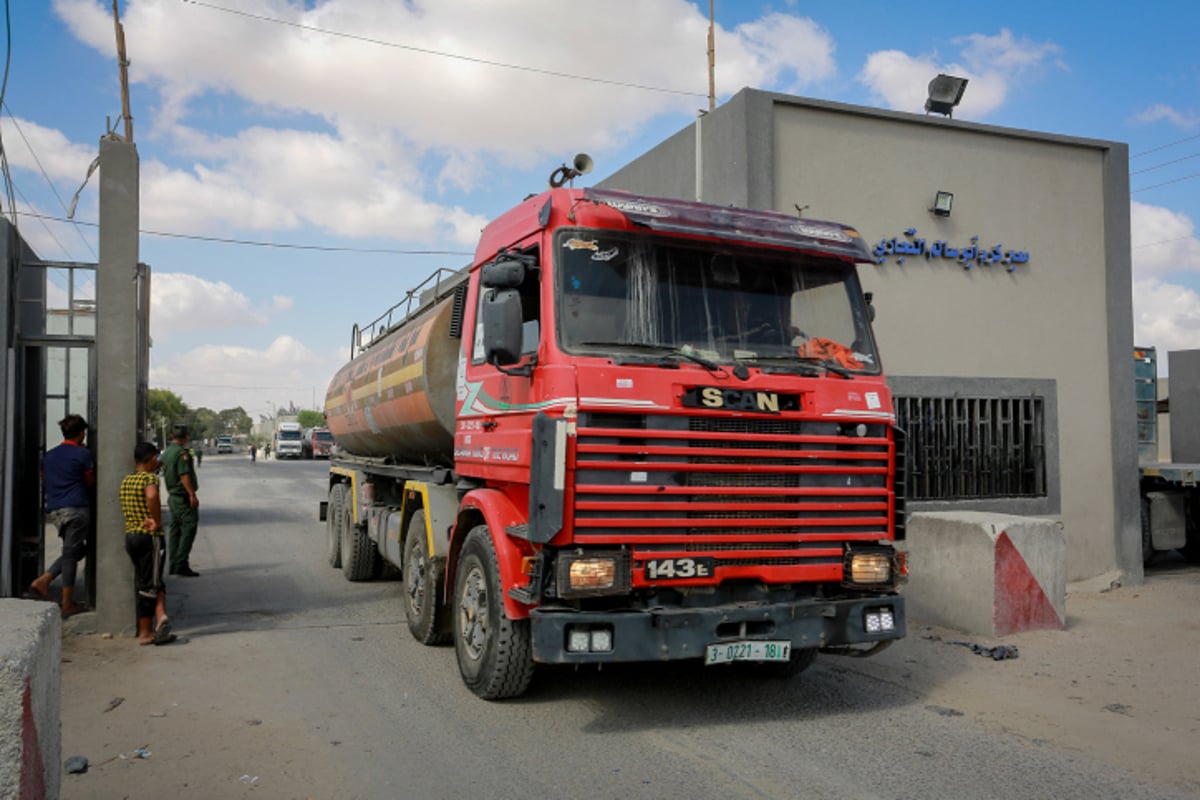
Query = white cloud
x=778 y=46
x=992 y=64
x=1165 y=315
x=227 y=376
x=180 y=302
x=391 y=128
x=1163 y=241
x=1161 y=111
x=34 y=147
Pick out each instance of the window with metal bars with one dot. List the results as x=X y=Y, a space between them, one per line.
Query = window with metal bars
x=974 y=448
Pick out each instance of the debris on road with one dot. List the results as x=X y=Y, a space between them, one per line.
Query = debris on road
x=1000 y=652
x=76 y=765
x=116 y=701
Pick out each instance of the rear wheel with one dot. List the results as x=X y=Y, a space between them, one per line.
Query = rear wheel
x=333 y=534
x=495 y=654
x=427 y=618
x=360 y=560
x=1147 y=538
x=1191 y=550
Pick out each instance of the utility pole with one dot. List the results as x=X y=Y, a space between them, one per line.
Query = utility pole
x=123 y=65
x=712 y=61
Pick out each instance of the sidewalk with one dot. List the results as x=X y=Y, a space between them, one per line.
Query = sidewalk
x=1119 y=684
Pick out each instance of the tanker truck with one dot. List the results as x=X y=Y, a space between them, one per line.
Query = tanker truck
x=633 y=429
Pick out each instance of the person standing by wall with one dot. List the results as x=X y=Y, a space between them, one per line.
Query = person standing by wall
x=68 y=475
x=179 y=474
x=142 y=509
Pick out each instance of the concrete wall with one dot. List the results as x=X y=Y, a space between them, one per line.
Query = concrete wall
x=1065 y=316
x=30 y=738
x=1184 y=433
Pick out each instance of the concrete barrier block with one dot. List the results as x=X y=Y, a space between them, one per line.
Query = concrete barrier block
x=30 y=679
x=986 y=574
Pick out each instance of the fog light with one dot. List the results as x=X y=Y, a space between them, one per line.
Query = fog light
x=588 y=574
x=602 y=641
x=871 y=567
x=880 y=620
x=577 y=641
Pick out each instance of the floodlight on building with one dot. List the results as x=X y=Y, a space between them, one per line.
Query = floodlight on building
x=945 y=92
x=941 y=203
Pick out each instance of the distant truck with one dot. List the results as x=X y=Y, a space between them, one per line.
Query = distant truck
x=316 y=443
x=224 y=444
x=287 y=441
x=1170 y=499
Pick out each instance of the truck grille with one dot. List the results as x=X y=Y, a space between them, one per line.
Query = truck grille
x=746 y=491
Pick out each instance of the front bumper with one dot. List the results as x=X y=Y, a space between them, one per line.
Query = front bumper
x=669 y=634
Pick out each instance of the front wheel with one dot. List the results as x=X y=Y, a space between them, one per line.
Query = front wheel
x=423 y=586
x=495 y=654
x=333 y=533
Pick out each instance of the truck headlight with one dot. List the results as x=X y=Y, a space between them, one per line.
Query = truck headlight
x=590 y=573
x=874 y=567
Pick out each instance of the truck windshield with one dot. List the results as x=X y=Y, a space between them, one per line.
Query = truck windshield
x=733 y=305
x=322 y=436
x=289 y=436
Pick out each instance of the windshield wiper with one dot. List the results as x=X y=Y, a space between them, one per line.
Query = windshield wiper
x=663 y=350
x=836 y=369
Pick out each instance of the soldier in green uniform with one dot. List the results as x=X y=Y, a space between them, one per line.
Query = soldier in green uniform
x=179 y=475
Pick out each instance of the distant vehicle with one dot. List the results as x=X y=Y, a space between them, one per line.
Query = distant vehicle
x=316 y=443
x=224 y=444
x=287 y=440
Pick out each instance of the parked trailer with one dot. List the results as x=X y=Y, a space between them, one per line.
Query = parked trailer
x=1170 y=499
x=632 y=429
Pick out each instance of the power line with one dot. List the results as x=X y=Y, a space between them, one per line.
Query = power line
x=1167 y=183
x=281 y=245
x=1164 y=146
x=1162 y=241
x=427 y=51
x=1165 y=164
x=38 y=161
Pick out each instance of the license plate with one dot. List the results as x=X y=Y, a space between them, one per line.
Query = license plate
x=750 y=650
x=658 y=569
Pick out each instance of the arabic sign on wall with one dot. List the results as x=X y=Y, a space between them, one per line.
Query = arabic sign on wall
x=966 y=257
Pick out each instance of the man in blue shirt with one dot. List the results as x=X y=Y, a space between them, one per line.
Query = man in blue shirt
x=68 y=475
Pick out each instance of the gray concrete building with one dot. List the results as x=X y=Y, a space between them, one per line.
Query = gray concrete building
x=1004 y=320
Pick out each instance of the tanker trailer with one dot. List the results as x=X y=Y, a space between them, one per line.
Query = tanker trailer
x=633 y=429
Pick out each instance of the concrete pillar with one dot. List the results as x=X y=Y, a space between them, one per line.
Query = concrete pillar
x=117 y=357
x=986 y=574
x=30 y=678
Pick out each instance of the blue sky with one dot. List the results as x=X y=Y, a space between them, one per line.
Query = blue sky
x=341 y=124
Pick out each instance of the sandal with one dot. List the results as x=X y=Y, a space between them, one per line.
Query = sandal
x=170 y=637
x=162 y=634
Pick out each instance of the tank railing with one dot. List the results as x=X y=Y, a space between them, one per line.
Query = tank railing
x=363 y=337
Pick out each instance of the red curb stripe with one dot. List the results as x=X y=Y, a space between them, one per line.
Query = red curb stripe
x=1020 y=602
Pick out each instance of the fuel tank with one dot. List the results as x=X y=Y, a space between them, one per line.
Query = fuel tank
x=397 y=399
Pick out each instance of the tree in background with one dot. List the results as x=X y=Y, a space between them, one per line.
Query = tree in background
x=235 y=420
x=311 y=419
x=164 y=408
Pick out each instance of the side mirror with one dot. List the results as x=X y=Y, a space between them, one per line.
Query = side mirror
x=505 y=274
x=502 y=326
x=869 y=296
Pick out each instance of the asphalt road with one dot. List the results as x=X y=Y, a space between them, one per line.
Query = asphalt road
x=290 y=681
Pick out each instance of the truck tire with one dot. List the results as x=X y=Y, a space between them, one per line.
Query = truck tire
x=423 y=581
x=360 y=559
x=495 y=654
x=1191 y=547
x=1148 y=551
x=333 y=534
